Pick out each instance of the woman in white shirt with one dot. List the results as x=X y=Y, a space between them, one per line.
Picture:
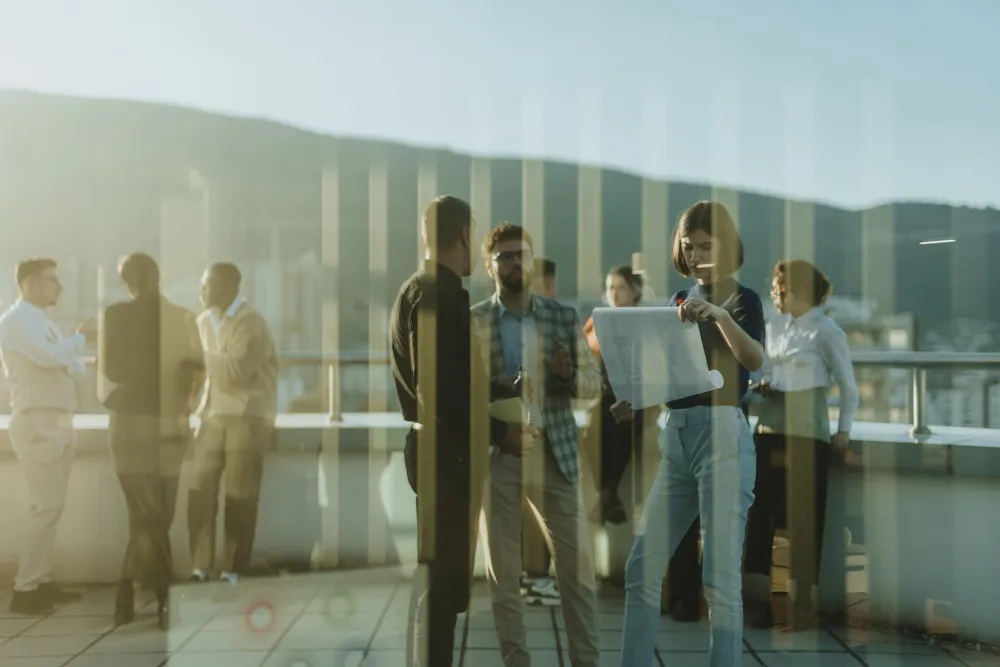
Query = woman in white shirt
x=806 y=353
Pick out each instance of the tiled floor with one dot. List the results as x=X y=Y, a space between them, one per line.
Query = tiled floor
x=350 y=619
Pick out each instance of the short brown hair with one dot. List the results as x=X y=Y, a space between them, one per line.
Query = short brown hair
x=505 y=232
x=713 y=219
x=29 y=268
x=443 y=221
x=804 y=279
x=140 y=272
x=545 y=267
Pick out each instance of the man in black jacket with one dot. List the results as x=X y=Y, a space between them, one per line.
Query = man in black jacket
x=444 y=392
x=149 y=356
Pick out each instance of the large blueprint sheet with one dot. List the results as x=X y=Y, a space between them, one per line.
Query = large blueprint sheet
x=651 y=356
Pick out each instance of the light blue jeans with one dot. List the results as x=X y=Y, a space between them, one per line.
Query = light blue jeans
x=707 y=467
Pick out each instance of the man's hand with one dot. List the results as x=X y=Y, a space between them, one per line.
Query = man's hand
x=89 y=329
x=561 y=365
x=699 y=310
x=841 y=441
x=622 y=412
x=519 y=440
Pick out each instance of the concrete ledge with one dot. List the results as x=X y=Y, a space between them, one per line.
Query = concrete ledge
x=336 y=495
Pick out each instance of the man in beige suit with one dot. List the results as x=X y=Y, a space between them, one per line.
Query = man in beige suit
x=237 y=412
x=40 y=363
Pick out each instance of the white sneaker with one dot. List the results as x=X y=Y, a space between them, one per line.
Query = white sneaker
x=543 y=592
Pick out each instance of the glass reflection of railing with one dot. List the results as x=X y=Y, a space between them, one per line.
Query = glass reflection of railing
x=920 y=363
x=329 y=397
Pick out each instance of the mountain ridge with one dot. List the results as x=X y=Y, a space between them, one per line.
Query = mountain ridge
x=29 y=95
x=92 y=178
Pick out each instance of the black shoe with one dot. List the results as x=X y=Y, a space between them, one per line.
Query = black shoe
x=57 y=595
x=31 y=603
x=685 y=613
x=125 y=604
x=163 y=609
x=758 y=615
x=805 y=617
x=612 y=510
x=163 y=615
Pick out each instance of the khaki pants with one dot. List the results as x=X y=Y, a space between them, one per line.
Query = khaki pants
x=43 y=442
x=537 y=561
x=537 y=478
x=235 y=448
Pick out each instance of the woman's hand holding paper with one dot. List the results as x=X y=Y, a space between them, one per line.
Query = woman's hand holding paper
x=699 y=310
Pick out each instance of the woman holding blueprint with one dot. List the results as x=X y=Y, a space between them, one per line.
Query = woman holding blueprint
x=707 y=463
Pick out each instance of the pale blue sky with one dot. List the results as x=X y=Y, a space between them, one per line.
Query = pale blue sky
x=852 y=101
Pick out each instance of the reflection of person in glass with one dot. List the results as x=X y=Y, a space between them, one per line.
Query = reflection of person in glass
x=236 y=433
x=537 y=586
x=545 y=278
x=151 y=353
x=523 y=330
x=707 y=465
x=612 y=443
x=806 y=353
x=443 y=392
x=41 y=365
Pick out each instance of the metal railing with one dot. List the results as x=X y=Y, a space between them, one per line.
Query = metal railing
x=918 y=362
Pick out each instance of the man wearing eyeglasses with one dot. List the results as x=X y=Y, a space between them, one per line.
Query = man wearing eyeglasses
x=41 y=365
x=540 y=343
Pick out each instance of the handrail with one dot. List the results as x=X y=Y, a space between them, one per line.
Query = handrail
x=927 y=360
x=918 y=362
x=878 y=358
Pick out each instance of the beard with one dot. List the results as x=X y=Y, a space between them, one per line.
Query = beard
x=515 y=282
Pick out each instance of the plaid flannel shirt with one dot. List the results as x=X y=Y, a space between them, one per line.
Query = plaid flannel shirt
x=554 y=322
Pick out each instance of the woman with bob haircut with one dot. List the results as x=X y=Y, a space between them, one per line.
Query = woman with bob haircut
x=707 y=464
x=807 y=352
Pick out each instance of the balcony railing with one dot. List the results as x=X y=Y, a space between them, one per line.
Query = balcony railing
x=917 y=362
x=920 y=363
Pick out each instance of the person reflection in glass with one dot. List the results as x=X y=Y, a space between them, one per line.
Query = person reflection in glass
x=708 y=465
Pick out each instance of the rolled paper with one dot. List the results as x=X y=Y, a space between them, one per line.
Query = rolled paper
x=509 y=410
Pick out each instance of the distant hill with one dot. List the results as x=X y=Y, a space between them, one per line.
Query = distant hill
x=88 y=179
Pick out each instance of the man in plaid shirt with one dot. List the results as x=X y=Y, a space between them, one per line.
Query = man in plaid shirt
x=540 y=341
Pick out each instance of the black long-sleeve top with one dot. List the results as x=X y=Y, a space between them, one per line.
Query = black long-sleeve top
x=150 y=351
x=457 y=362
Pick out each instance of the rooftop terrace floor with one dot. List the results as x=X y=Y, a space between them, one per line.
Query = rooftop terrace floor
x=350 y=619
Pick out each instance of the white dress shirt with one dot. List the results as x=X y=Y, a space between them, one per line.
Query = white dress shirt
x=217 y=316
x=811 y=352
x=38 y=360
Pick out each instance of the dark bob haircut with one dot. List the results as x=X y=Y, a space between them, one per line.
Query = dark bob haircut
x=713 y=219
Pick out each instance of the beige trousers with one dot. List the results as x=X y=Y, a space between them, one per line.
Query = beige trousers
x=43 y=443
x=559 y=503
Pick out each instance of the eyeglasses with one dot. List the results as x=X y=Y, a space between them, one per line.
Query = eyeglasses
x=508 y=256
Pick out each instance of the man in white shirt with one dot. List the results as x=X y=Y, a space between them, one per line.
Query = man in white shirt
x=237 y=413
x=40 y=364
